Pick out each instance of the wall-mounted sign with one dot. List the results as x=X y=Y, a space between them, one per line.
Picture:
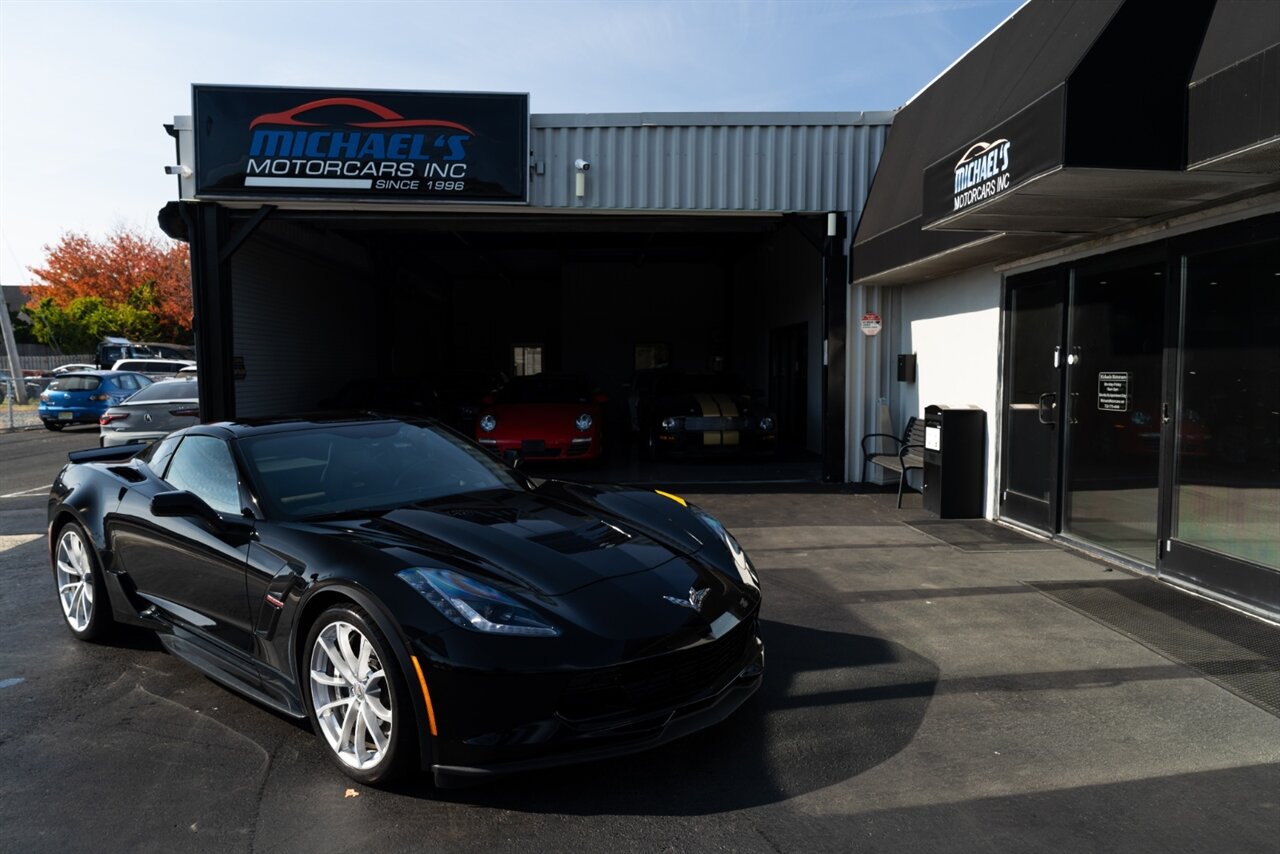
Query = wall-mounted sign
x=982 y=172
x=379 y=145
x=871 y=324
x=1113 y=391
x=1024 y=146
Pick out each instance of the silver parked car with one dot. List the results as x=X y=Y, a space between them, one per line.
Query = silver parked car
x=151 y=413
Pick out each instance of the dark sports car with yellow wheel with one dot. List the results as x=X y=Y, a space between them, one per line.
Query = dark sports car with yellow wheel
x=426 y=606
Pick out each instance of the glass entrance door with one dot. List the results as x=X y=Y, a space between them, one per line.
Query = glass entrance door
x=1115 y=409
x=1032 y=400
x=1225 y=508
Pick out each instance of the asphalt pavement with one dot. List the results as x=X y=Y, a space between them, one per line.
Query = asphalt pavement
x=926 y=689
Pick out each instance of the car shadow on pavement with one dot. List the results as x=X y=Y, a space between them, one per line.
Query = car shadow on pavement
x=832 y=705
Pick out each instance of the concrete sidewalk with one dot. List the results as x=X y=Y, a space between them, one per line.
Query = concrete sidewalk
x=1043 y=729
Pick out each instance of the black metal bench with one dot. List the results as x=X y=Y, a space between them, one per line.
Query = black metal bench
x=908 y=455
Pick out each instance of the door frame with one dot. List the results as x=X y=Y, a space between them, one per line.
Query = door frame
x=1253 y=586
x=1058 y=277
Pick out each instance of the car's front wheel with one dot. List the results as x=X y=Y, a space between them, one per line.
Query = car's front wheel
x=79 y=579
x=359 y=702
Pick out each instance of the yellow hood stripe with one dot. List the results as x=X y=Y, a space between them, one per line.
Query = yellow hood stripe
x=676 y=498
x=727 y=407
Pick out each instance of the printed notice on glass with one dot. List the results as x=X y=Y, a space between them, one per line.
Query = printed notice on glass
x=1113 y=391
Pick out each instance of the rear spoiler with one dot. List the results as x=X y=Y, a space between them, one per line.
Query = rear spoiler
x=117 y=454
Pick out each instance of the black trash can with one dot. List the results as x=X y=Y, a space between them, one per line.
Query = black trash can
x=954 y=461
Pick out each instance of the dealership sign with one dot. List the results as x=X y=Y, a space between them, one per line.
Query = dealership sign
x=377 y=145
x=982 y=172
x=1020 y=149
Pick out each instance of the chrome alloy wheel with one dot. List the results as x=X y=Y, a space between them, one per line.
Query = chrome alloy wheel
x=350 y=695
x=74 y=571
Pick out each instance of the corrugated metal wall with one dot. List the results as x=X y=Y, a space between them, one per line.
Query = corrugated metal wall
x=749 y=162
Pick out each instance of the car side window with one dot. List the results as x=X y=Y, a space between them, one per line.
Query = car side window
x=125 y=381
x=157 y=457
x=203 y=466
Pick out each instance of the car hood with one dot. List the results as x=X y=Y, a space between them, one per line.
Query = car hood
x=543 y=543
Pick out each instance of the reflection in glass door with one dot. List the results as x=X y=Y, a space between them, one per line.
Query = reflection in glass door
x=1225 y=520
x=1114 y=409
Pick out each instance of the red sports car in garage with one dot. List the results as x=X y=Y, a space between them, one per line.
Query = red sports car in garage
x=544 y=417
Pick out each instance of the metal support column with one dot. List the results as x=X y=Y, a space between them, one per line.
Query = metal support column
x=835 y=291
x=211 y=297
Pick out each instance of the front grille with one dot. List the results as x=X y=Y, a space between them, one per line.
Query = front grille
x=660 y=682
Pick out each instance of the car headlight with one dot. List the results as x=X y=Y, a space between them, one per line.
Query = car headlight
x=472 y=605
x=488 y=423
x=766 y=423
x=668 y=423
x=584 y=422
x=740 y=560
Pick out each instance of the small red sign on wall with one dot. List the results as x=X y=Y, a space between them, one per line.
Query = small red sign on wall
x=871 y=323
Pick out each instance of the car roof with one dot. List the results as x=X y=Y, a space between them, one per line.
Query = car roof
x=164 y=359
x=107 y=374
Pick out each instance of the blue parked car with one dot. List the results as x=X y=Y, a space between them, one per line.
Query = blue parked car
x=82 y=397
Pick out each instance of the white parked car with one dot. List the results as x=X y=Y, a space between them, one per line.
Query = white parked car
x=157 y=369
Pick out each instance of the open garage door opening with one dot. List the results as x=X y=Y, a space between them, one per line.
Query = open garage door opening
x=694 y=344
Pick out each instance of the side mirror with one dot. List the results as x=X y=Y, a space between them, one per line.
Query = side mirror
x=188 y=505
x=512 y=458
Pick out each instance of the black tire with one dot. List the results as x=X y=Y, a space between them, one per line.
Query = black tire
x=392 y=694
x=87 y=612
x=55 y=426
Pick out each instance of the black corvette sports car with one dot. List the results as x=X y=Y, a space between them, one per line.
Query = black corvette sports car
x=426 y=606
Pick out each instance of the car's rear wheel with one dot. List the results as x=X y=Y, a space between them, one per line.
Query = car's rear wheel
x=80 y=586
x=358 y=700
x=55 y=426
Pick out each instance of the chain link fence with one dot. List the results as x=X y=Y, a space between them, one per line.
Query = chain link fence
x=13 y=416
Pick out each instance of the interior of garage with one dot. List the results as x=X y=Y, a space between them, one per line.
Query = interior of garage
x=320 y=301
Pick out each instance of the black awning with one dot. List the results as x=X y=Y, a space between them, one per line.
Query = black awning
x=1091 y=139
x=1233 y=121
x=1028 y=56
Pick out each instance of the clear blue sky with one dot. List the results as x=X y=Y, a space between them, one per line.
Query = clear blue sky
x=85 y=87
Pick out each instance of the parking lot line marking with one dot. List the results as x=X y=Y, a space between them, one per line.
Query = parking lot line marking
x=32 y=491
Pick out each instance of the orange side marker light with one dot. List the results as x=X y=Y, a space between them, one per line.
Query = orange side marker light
x=426 y=695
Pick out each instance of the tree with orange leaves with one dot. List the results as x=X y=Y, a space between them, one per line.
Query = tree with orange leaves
x=129 y=284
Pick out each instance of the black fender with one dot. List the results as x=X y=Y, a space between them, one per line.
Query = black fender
x=390 y=628
x=88 y=498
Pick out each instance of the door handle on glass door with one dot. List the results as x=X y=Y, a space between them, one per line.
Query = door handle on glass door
x=1048 y=409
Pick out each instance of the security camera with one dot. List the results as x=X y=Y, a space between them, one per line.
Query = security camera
x=582 y=165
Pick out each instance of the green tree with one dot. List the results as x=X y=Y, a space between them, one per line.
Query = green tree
x=84 y=321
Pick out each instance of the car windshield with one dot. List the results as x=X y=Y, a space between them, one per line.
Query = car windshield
x=78 y=383
x=168 y=390
x=349 y=469
x=543 y=388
